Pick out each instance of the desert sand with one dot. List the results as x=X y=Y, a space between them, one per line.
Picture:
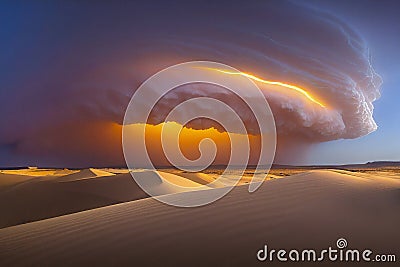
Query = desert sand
x=26 y=196
x=102 y=218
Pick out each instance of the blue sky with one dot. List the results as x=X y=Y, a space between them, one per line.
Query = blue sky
x=379 y=23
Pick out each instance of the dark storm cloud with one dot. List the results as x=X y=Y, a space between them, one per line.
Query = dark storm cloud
x=72 y=65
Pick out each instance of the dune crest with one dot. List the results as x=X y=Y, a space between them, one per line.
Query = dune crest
x=306 y=210
x=25 y=198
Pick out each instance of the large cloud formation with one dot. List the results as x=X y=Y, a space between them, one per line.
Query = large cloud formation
x=299 y=46
x=94 y=61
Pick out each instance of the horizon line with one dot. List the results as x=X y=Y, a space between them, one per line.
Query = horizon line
x=385 y=162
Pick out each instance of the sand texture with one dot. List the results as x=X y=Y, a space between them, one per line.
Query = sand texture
x=307 y=210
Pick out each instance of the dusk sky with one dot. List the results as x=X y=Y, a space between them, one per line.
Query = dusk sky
x=68 y=70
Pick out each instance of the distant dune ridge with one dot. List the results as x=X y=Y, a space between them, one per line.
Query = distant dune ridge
x=311 y=209
x=84 y=174
x=26 y=198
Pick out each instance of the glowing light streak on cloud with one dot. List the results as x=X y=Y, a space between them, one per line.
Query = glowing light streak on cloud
x=290 y=86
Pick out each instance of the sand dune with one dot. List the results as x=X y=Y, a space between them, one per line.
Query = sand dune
x=309 y=210
x=177 y=180
x=84 y=174
x=9 y=180
x=14 y=177
x=37 y=172
x=202 y=178
x=25 y=199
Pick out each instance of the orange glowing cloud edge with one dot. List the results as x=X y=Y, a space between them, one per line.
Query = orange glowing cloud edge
x=282 y=84
x=183 y=129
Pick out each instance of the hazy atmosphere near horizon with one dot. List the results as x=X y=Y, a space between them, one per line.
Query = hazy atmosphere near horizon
x=68 y=71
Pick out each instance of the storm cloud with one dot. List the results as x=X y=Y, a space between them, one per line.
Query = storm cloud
x=70 y=66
